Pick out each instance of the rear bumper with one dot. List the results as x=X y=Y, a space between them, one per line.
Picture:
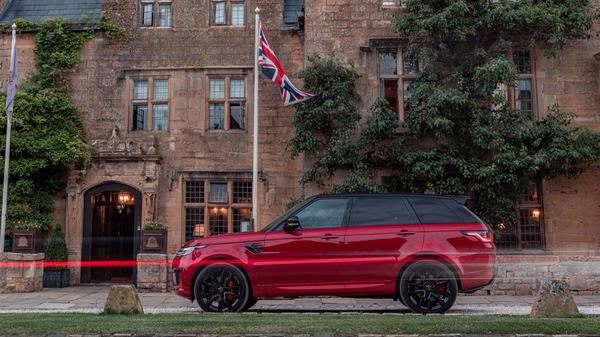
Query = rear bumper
x=489 y=283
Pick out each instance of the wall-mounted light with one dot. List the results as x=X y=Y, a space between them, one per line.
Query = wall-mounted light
x=199 y=230
x=535 y=214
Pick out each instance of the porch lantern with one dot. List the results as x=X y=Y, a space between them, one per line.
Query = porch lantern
x=124 y=199
x=535 y=213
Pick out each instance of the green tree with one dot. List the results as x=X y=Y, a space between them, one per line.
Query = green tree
x=47 y=138
x=469 y=139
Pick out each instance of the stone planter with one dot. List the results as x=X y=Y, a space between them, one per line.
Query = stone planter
x=27 y=242
x=56 y=278
x=26 y=273
x=154 y=242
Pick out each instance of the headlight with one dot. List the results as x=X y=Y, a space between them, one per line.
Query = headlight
x=188 y=250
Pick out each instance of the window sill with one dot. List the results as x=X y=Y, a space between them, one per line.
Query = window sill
x=226 y=131
x=290 y=27
x=156 y=27
x=392 y=7
x=150 y=131
x=227 y=26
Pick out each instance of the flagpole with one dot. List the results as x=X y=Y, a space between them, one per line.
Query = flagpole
x=255 y=126
x=9 y=112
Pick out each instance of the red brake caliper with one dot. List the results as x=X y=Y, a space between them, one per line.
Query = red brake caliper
x=229 y=297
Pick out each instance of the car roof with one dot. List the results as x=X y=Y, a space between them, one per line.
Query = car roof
x=461 y=199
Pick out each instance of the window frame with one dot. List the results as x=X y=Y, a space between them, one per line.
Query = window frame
x=208 y=206
x=512 y=92
x=228 y=13
x=227 y=100
x=150 y=102
x=400 y=77
x=156 y=16
x=526 y=205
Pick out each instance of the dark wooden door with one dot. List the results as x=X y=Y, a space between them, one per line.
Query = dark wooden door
x=110 y=235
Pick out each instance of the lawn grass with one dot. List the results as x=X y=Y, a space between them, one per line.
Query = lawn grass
x=255 y=324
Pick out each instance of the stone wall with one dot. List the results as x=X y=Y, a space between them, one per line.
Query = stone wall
x=25 y=273
x=2 y=273
x=152 y=273
x=522 y=275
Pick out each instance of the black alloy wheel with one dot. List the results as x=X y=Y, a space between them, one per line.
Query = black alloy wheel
x=222 y=288
x=428 y=287
x=251 y=302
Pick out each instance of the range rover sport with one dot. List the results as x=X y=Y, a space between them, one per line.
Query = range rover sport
x=421 y=250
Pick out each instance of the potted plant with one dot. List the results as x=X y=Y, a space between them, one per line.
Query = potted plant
x=27 y=237
x=154 y=238
x=56 y=275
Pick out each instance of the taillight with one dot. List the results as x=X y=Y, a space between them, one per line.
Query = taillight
x=484 y=236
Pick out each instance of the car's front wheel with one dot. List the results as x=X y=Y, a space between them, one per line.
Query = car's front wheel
x=222 y=288
x=428 y=287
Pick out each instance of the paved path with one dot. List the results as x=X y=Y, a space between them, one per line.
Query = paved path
x=91 y=299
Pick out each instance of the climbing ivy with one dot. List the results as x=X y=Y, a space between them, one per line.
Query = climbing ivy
x=47 y=137
x=461 y=135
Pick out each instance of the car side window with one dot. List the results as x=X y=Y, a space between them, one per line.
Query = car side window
x=381 y=212
x=433 y=211
x=323 y=213
x=463 y=212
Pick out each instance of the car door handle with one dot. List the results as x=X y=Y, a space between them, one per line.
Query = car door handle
x=329 y=237
x=406 y=233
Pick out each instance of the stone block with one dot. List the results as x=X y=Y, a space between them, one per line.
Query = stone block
x=26 y=272
x=554 y=300
x=523 y=289
x=152 y=272
x=123 y=299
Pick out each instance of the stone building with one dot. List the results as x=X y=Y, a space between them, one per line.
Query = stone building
x=168 y=117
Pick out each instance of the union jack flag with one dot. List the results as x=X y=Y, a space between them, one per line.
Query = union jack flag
x=272 y=68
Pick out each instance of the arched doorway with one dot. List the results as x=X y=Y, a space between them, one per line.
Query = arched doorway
x=111 y=233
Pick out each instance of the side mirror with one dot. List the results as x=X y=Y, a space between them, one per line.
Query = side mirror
x=292 y=224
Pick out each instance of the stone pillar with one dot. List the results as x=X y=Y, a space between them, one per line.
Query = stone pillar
x=25 y=273
x=152 y=272
x=73 y=225
x=2 y=273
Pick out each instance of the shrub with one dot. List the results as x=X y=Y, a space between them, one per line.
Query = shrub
x=56 y=247
x=155 y=226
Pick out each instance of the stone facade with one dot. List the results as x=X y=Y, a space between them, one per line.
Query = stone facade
x=523 y=275
x=152 y=272
x=25 y=273
x=158 y=163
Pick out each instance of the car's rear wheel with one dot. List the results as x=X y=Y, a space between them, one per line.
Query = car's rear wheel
x=251 y=302
x=428 y=287
x=222 y=288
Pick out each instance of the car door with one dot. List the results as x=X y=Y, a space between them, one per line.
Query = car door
x=383 y=232
x=306 y=261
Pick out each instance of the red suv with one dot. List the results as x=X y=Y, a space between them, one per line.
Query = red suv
x=421 y=250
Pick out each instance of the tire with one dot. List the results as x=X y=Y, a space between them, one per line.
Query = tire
x=428 y=287
x=251 y=302
x=222 y=288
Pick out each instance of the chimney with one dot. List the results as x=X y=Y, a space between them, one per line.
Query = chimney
x=3 y=4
